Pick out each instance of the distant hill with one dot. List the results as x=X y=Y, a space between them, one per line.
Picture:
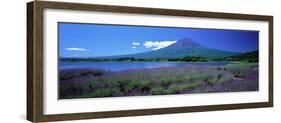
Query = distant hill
x=182 y=48
x=252 y=56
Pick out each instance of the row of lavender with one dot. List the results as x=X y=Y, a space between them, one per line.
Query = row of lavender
x=92 y=83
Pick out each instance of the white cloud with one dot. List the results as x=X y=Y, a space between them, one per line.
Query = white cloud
x=155 y=45
x=134 y=47
x=76 y=49
x=136 y=43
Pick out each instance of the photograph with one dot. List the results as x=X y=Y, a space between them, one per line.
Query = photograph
x=88 y=60
x=103 y=60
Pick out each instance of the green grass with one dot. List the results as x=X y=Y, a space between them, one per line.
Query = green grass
x=159 y=91
x=107 y=92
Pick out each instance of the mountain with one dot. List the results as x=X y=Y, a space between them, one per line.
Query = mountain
x=182 y=48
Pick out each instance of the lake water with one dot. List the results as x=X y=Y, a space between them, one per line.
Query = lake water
x=120 y=66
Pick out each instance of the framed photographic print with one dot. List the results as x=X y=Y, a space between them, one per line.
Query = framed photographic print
x=89 y=61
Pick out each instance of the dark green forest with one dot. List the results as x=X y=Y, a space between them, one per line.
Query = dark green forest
x=246 y=57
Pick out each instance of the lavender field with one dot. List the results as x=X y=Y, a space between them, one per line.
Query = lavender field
x=93 y=83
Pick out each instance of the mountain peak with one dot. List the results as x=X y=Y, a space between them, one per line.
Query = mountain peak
x=182 y=48
x=187 y=42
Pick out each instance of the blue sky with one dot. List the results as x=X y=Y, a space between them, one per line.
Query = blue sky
x=92 y=40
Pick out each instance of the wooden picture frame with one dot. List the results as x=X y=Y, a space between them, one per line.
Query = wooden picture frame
x=35 y=60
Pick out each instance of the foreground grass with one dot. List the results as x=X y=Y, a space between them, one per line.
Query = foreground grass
x=159 y=81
